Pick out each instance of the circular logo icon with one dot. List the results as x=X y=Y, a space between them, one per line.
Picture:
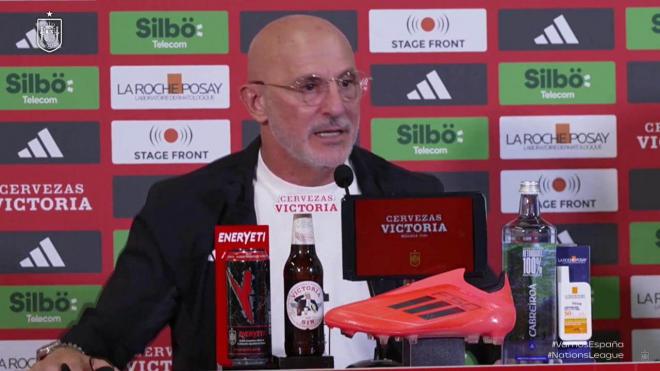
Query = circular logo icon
x=304 y=305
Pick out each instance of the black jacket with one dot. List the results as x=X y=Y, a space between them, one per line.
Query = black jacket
x=164 y=276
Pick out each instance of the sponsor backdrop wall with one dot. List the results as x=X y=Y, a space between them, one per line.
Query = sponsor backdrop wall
x=100 y=99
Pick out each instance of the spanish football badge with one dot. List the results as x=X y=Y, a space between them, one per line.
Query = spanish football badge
x=49 y=33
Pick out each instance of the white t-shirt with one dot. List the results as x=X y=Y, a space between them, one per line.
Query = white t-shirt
x=275 y=203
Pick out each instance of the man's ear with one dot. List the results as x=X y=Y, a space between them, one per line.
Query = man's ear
x=254 y=102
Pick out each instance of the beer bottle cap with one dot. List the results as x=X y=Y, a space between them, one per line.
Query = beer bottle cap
x=303 y=230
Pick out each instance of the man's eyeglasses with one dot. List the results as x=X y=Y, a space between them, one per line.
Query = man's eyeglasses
x=314 y=88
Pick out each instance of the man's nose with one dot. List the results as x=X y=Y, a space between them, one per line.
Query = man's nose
x=333 y=103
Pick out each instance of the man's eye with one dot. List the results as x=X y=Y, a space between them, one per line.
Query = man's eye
x=309 y=85
x=345 y=83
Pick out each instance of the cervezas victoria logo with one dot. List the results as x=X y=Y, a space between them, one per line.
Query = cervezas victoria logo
x=43 y=197
x=413 y=225
x=306 y=203
x=427 y=30
x=648 y=138
x=170 y=87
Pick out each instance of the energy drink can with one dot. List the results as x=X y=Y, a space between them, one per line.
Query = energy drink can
x=248 y=307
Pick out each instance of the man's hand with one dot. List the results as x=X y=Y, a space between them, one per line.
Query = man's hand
x=73 y=359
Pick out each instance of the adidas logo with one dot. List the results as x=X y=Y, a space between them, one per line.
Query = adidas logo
x=29 y=41
x=431 y=88
x=43 y=256
x=559 y=32
x=43 y=146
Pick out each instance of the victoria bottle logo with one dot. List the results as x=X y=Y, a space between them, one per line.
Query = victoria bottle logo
x=169 y=32
x=304 y=305
x=49 y=88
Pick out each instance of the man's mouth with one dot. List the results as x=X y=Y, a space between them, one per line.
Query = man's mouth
x=329 y=133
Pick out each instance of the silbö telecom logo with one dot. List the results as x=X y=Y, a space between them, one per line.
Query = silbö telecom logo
x=30 y=88
x=29 y=84
x=548 y=79
x=557 y=83
x=39 y=307
x=161 y=28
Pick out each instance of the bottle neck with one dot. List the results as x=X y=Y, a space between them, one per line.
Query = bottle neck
x=530 y=206
x=303 y=249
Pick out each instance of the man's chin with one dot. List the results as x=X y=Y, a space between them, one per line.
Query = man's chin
x=328 y=160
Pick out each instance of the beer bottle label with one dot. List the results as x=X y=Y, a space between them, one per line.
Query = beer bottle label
x=304 y=305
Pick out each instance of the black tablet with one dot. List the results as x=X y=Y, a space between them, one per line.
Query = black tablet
x=413 y=237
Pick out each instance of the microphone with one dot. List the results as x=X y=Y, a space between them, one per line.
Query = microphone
x=344 y=177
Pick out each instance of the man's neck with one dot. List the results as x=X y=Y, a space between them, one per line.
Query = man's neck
x=299 y=173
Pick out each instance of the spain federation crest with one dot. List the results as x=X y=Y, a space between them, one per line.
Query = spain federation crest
x=49 y=33
x=415 y=258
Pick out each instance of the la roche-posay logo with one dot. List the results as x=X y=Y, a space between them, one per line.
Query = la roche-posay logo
x=645 y=296
x=427 y=30
x=537 y=137
x=169 y=87
x=565 y=190
x=19 y=354
x=169 y=141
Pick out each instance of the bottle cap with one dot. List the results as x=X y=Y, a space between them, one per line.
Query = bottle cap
x=303 y=230
x=529 y=187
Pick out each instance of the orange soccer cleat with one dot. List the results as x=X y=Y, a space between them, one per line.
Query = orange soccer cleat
x=443 y=305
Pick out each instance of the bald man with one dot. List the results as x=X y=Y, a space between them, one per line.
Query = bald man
x=304 y=90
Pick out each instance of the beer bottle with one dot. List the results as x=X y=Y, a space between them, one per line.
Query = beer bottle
x=303 y=289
